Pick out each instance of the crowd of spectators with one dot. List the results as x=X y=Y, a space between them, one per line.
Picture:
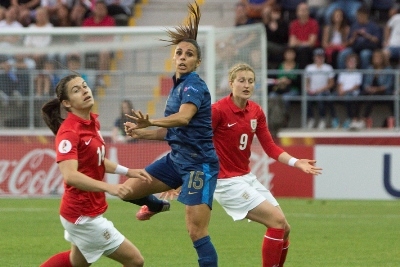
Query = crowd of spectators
x=45 y=14
x=297 y=31
x=360 y=38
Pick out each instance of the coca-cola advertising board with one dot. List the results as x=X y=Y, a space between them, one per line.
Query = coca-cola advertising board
x=28 y=167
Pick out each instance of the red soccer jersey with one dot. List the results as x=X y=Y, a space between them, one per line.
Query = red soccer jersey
x=108 y=21
x=303 y=31
x=79 y=139
x=234 y=130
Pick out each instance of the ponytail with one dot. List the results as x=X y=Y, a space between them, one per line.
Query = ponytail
x=51 y=112
x=51 y=115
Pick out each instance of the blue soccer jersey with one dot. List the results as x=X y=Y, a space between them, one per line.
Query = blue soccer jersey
x=192 y=143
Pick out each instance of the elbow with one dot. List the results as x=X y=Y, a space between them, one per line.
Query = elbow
x=184 y=121
x=69 y=179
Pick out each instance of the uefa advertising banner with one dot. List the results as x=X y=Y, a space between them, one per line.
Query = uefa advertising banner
x=28 y=167
x=353 y=168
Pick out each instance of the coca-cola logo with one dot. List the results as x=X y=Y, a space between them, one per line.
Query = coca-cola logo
x=35 y=173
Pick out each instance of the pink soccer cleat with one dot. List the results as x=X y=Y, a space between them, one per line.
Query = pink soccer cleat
x=145 y=214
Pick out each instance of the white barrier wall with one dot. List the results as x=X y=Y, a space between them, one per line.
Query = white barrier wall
x=357 y=172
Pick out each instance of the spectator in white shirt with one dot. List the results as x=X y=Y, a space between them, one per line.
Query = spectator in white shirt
x=40 y=41
x=391 y=42
x=319 y=81
x=348 y=86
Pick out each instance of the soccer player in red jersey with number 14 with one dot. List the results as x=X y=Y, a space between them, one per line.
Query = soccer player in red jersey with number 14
x=235 y=121
x=81 y=159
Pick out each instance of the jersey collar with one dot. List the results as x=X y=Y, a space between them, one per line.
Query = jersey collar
x=233 y=107
x=83 y=121
x=182 y=78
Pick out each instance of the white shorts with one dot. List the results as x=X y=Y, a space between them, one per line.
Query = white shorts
x=94 y=236
x=238 y=195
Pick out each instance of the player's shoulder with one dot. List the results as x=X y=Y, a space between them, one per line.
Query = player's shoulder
x=196 y=81
x=253 y=105
x=68 y=126
x=255 y=109
x=220 y=104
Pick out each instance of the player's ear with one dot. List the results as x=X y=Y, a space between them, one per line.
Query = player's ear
x=66 y=103
x=231 y=84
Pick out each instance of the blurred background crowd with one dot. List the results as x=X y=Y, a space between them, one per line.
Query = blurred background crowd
x=338 y=48
x=345 y=48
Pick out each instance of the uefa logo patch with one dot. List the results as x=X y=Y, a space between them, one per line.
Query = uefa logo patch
x=64 y=146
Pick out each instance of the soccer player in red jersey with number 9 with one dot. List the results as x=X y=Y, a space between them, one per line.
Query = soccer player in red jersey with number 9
x=235 y=121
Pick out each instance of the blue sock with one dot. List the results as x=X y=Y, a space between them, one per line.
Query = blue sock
x=153 y=203
x=205 y=250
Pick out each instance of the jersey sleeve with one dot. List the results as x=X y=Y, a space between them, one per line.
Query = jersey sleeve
x=215 y=116
x=193 y=92
x=265 y=137
x=67 y=146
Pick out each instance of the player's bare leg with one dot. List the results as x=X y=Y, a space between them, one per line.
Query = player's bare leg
x=275 y=243
x=197 y=221
x=150 y=204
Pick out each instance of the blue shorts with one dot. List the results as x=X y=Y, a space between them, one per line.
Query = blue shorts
x=198 y=181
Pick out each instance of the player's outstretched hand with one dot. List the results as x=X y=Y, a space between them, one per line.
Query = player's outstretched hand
x=130 y=128
x=119 y=190
x=132 y=132
x=142 y=121
x=140 y=174
x=307 y=166
x=170 y=194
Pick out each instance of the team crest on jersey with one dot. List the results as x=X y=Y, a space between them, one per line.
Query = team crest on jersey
x=64 y=146
x=253 y=125
x=187 y=88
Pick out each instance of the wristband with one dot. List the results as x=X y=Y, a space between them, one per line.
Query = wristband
x=292 y=161
x=121 y=170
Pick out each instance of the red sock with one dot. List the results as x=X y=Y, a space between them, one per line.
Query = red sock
x=58 y=260
x=272 y=247
x=285 y=249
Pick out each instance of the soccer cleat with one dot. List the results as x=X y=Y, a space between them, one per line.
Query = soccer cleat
x=145 y=214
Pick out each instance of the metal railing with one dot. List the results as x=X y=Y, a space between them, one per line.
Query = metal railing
x=303 y=98
x=141 y=94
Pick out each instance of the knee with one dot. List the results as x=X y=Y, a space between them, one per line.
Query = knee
x=196 y=233
x=136 y=262
x=279 y=222
x=287 y=230
x=139 y=262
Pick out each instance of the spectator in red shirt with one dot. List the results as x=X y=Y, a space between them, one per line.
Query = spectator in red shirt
x=100 y=18
x=303 y=35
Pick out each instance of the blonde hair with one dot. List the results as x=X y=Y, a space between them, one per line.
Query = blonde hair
x=240 y=67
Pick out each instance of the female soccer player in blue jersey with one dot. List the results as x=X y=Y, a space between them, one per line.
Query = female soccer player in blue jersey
x=235 y=121
x=192 y=162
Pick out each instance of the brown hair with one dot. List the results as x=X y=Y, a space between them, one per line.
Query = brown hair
x=187 y=33
x=240 y=67
x=51 y=112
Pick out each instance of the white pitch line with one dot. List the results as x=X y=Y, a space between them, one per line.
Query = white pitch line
x=345 y=216
x=24 y=209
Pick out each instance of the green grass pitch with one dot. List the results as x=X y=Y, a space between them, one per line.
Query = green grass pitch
x=324 y=234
